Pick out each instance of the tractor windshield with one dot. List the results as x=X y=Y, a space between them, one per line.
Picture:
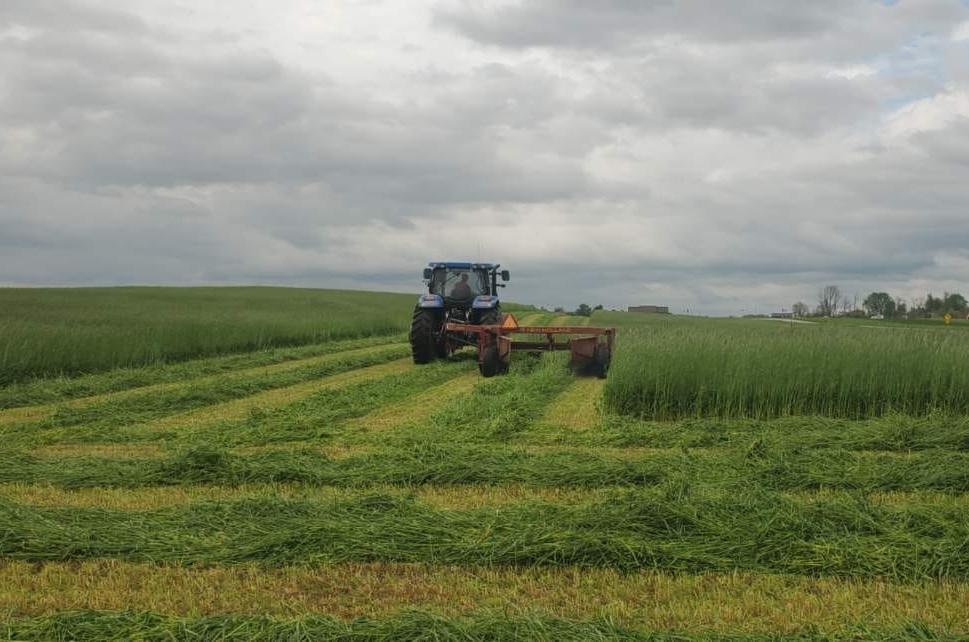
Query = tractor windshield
x=459 y=285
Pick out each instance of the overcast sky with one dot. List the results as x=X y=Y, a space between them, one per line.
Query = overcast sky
x=715 y=156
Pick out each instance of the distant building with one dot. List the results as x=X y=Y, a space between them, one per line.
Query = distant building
x=650 y=309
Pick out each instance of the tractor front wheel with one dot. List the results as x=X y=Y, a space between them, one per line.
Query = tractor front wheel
x=424 y=330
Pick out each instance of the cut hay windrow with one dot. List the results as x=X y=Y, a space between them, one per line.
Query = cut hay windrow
x=147 y=417
x=893 y=432
x=644 y=600
x=40 y=393
x=531 y=318
x=83 y=626
x=418 y=407
x=149 y=498
x=34 y=413
x=499 y=409
x=100 y=451
x=450 y=496
x=415 y=465
x=329 y=410
x=145 y=407
x=670 y=529
x=423 y=463
x=276 y=398
x=37 y=413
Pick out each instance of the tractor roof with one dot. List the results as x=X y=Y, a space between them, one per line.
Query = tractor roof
x=458 y=265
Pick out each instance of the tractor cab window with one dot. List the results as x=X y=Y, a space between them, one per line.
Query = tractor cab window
x=459 y=284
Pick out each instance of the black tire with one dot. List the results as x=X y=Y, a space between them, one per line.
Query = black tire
x=490 y=364
x=602 y=357
x=441 y=348
x=423 y=335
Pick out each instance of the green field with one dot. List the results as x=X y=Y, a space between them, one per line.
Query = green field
x=334 y=490
x=673 y=368
x=47 y=331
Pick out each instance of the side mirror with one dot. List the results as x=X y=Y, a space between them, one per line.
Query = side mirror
x=505 y=275
x=427 y=274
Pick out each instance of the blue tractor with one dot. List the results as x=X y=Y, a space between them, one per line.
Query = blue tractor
x=457 y=293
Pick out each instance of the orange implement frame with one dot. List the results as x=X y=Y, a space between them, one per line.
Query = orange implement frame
x=591 y=349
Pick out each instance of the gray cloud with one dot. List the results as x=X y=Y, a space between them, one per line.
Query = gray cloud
x=852 y=26
x=617 y=153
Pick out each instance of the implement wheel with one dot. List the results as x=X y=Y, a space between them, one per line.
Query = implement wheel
x=601 y=359
x=424 y=335
x=491 y=363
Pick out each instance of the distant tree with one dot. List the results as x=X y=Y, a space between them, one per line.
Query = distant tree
x=880 y=303
x=598 y=307
x=799 y=309
x=848 y=306
x=828 y=299
x=933 y=304
x=559 y=309
x=583 y=310
x=901 y=310
x=954 y=302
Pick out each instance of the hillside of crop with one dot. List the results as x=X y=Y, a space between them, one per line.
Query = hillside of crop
x=335 y=490
x=51 y=331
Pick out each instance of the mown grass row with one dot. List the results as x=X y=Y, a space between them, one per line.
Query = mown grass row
x=316 y=416
x=671 y=529
x=456 y=496
x=673 y=368
x=430 y=463
x=62 y=389
x=890 y=432
x=408 y=625
x=497 y=410
x=489 y=410
x=136 y=408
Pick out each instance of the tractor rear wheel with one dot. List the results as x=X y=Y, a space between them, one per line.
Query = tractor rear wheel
x=424 y=329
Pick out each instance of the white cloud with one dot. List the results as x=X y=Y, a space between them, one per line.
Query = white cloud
x=929 y=114
x=851 y=72
x=961 y=32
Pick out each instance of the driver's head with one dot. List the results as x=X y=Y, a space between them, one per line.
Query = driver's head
x=464 y=278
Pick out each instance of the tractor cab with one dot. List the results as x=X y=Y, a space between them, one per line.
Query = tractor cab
x=465 y=290
x=456 y=293
x=458 y=285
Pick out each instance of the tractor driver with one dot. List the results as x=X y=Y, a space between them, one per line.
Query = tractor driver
x=462 y=290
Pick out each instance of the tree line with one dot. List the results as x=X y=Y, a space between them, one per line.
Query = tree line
x=584 y=310
x=833 y=302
